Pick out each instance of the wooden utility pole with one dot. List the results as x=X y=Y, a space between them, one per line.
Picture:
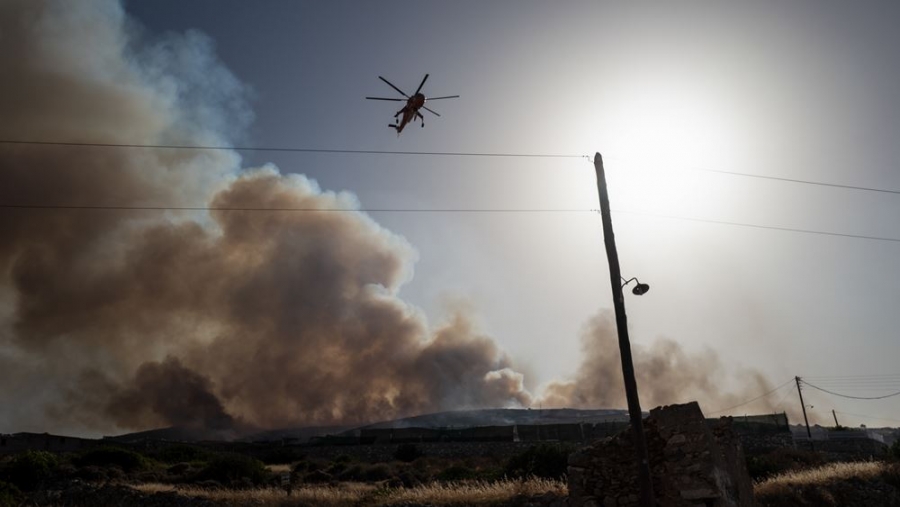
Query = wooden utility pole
x=803 y=406
x=836 y=424
x=631 y=393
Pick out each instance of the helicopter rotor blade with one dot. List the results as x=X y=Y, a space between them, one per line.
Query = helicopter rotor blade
x=392 y=86
x=421 y=84
x=447 y=97
x=382 y=98
x=430 y=111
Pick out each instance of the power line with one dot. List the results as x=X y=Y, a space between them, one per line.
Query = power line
x=886 y=375
x=425 y=153
x=868 y=416
x=294 y=150
x=751 y=400
x=341 y=210
x=432 y=210
x=780 y=402
x=852 y=397
x=804 y=182
x=756 y=226
x=788 y=180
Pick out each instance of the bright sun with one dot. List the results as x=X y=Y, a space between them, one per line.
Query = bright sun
x=655 y=137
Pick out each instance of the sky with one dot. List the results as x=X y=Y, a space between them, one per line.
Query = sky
x=677 y=97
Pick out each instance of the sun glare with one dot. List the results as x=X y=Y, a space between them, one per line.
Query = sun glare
x=655 y=137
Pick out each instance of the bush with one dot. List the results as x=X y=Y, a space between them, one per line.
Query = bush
x=281 y=456
x=544 y=460
x=10 y=496
x=107 y=457
x=230 y=468
x=895 y=450
x=782 y=460
x=31 y=469
x=365 y=473
x=407 y=453
x=377 y=472
x=183 y=453
x=456 y=473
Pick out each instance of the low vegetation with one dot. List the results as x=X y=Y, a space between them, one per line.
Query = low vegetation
x=352 y=494
x=118 y=475
x=31 y=470
x=869 y=483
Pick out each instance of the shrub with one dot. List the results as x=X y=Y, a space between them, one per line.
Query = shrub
x=782 y=460
x=407 y=453
x=544 y=460
x=229 y=468
x=281 y=456
x=183 y=453
x=377 y=472
x=10 y=496
x=107 y=457
x=31 y=469
x=895 y=450
x=365 y=473
x=456 y=473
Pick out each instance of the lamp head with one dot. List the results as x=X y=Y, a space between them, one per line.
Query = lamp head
x=640 y=289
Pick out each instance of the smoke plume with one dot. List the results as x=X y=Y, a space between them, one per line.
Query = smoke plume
x=131 y=319
x=665 y=374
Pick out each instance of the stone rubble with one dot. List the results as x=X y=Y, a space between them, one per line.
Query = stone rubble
x=692 y=464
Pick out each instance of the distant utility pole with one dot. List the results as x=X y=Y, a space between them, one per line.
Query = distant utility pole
x=631 y=393
x=833 y=414
x=803 y=406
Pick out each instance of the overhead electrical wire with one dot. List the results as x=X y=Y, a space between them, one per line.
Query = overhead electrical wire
x=435 y=210
x=757 y=226
x=780 y=403
x=868 y=416
x=774 y=178
x=425 y=153
x=425 y=210
x=296 y=150
x=870 y=383
x=804 y=182
x=343 y=210
x=849 y=396
x=752 y=399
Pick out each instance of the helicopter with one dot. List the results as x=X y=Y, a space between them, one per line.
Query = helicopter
x=413 y=103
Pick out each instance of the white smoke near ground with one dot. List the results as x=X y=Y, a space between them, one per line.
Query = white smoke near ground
x=114 y=320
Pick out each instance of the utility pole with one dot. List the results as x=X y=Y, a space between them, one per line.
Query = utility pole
x=803 y=406
x=836 y=424
x=631 y=393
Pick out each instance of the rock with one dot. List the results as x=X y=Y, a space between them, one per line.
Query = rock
x=690 y=464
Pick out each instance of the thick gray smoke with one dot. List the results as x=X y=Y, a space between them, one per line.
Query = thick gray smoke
x=665 y=374
x=143 y=319
x=139 y=319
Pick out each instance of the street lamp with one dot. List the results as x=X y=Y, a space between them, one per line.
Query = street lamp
x=639 y=289
x=645 y=483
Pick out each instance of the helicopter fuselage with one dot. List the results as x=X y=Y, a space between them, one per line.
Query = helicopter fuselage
x=410 y=111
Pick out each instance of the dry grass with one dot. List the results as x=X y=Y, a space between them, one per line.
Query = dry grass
x=328 y=496
x=473 y=493
x=827 y=474
x=351 y=494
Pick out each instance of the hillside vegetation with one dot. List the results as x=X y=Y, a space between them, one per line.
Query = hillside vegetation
x=858 y=484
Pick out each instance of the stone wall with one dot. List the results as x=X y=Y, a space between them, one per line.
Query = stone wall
x=692 y=464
